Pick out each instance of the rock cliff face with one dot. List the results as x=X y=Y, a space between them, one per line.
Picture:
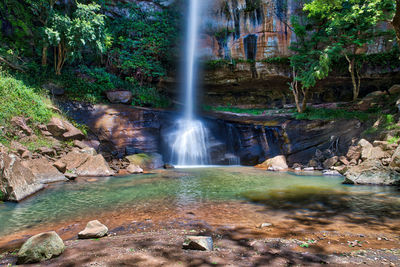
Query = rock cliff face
x=124 y=130
x=254 y=29
x=249 y=29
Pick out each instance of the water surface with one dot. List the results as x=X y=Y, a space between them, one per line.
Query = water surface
x=182 y=188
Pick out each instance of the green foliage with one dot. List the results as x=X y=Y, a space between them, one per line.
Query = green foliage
x=20 y=100
x=346 y=28
x=309 y=63
x=72 y=33
x=143 y=43
x=216 y=64
x=332 y=114
x=34 y=146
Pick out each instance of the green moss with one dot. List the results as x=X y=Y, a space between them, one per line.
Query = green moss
x=331 y=114
x=235 y=110
x=140 y=159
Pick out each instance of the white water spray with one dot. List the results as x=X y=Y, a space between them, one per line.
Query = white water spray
x=189 y=141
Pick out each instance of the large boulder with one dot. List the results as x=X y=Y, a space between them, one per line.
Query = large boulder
x=372 y=172
x=330 y=162
x=44 y=171
x=395 y=161
x=116 y=97
x=94 y=229
x=74 y=160
x=277 y=163
x=16 y=181
x=366 y=149
x=95 y=166
x=63 y=129
x=85 y=162
x=146 y=161
x=41 y=247
x=354 y=153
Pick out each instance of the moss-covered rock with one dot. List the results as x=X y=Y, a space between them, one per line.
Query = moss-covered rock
x=41 y=247
x=146 y=161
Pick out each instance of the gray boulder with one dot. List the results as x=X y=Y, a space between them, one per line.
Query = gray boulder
x=203 y=243
x=372 y=172
x=16 y=181
x=395 y=161
x=41 y=247
x=44 y=171
x=124 y=97
x=95 y=166
x=330 y=162
x=94 y=229
x=63 y=129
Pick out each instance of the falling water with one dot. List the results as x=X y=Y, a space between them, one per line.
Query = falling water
x=189 y=141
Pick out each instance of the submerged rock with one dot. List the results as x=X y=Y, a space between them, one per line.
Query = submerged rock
x=372 y=172
x=41 y=247
x=94 y=229
x=16 y=181
x=277 y=163
x=203 y=243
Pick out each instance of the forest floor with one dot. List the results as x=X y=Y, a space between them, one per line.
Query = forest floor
x=231 y=248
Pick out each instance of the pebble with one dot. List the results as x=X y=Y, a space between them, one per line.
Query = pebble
x=263 y=225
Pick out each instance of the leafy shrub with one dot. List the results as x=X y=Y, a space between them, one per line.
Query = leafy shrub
x=20 y=100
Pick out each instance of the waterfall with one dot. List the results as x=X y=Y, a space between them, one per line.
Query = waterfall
x=189 y=140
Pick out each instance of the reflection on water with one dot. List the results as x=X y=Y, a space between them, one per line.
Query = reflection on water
x=186 y=187
x=329 y=202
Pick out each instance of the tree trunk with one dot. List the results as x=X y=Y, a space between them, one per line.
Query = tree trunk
x=396 y=21
x=355 y=81
x=304 y=103
x=44 y=55
x=294 y=86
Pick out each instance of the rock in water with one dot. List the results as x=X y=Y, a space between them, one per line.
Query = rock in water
x=372 y=172
x=94 y=229
x=132 y=168
x=277 y=163
x=203 y=243
x=16 y=181
x=95 y=166
x=41 y=247
x=146 y=161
